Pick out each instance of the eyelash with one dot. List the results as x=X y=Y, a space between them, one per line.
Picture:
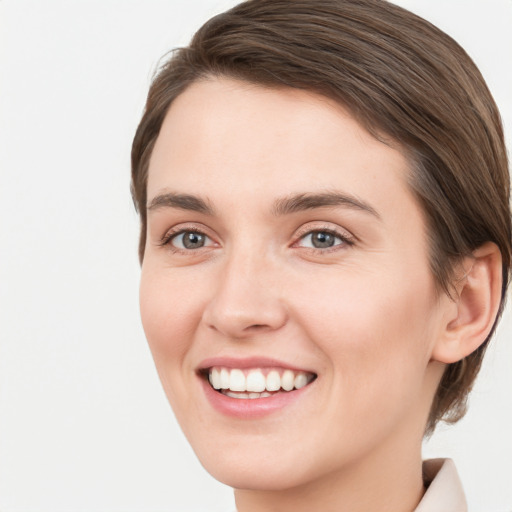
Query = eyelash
x=346 y=240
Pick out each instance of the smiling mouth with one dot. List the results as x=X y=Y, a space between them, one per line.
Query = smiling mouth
x=257 y=382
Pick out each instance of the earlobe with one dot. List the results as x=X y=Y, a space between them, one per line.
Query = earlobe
x=473 y=312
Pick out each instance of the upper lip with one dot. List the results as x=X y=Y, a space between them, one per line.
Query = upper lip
x=248 y=362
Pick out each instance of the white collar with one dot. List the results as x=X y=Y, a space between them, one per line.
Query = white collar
x=444 y=493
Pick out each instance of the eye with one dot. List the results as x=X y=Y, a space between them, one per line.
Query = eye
x=322 y=239
x=189 y=240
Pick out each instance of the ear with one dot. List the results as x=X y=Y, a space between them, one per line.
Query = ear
x=471 y=314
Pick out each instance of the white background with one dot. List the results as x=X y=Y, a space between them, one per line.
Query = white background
x=84 y=425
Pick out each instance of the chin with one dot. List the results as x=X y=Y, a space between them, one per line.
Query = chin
x=263 y=475
x=264 y=465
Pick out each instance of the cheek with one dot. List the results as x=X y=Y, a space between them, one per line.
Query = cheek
x=375 y=331
x=363 y=307
x=170 y=311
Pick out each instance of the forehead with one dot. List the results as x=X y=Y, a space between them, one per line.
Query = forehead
x=227 y=138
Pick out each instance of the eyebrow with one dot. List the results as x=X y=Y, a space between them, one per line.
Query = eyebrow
x=180 y=201
x=300 y=202
x=284 y=206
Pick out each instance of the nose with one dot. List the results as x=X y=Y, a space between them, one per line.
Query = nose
x=245 y=299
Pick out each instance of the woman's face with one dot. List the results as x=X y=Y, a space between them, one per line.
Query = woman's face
x=285 y=249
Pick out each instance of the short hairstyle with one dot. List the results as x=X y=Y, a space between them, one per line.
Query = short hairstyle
x=407 y=82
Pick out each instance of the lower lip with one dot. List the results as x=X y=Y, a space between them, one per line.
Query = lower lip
x=250 y=408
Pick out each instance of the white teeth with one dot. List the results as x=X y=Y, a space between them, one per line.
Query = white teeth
x=300 y=381
x=256 y=383
x=273 y=381
x=236 y=395
x=224 y=378
x=249 y=396
x=215 y=379
x=287 y=380
x=237 y=380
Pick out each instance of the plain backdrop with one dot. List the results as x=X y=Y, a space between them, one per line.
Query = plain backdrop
x=84 y=424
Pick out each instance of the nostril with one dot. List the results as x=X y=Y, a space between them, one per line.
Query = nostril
x=257 y=328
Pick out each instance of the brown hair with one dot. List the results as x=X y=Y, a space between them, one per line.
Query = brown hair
x=406 y=81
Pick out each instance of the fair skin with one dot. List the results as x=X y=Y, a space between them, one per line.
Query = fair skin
x=338 y=289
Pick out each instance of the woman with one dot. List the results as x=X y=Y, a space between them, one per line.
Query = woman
x=325 y=245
